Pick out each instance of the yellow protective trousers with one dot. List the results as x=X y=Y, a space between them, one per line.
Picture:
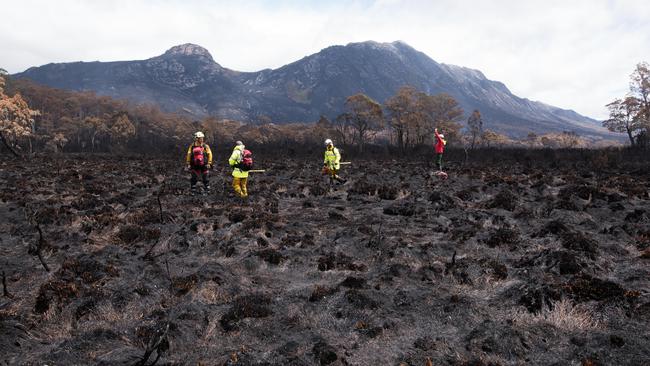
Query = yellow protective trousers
x=239 y=184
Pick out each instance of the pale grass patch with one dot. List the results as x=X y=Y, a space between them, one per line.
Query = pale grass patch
x=294 y=313
x=106 y=316
x=487 y=287
x=211 y=328
x=564 y=315
x=58 y=326
x=306 y=318
x=212 y=293
x=99 y=241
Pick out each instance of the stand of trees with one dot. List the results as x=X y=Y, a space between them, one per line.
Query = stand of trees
x=413 y=115
x=39 y=118
x=85 y=122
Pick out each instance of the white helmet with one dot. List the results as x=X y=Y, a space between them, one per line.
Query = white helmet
x=199 y=135
x=328 y=142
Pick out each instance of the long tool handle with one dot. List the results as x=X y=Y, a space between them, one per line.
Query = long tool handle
x=257 y=171
x=345 y=163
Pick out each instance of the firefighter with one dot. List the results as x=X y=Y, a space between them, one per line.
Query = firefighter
x=332 y=161
x=439 y=146
x=238 y=161
x=199 y=162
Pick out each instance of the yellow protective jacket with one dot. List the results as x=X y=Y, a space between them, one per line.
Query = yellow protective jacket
x=236 y=158
x=332 y=158
x=208 y=153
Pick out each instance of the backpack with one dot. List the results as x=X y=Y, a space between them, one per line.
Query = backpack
x=246 y=161
x=198 y=156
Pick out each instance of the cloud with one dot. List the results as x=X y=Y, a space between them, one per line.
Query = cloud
x=575 y=55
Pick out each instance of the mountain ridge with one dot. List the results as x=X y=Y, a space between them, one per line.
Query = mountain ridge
x=187 y=78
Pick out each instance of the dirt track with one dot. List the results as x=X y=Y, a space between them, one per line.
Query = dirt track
x=550 y=267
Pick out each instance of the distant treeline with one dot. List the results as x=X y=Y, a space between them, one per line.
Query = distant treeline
x=36 y=118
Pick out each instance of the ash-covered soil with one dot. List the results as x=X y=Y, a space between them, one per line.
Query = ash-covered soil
x=502 y=263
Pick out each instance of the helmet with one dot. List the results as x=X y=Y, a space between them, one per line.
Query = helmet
x=199 y=135
x=328 y=142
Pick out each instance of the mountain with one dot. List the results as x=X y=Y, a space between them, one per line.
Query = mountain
x=186 y=78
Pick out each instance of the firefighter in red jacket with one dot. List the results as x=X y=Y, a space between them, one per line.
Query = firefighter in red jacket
x=440 y=143
x=199 y=162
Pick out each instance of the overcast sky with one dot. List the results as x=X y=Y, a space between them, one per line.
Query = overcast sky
x=574 y=54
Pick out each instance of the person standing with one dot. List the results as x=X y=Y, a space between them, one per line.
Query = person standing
x=199 y=162
x=332 y=161
x=439 y=146
x=239 y=172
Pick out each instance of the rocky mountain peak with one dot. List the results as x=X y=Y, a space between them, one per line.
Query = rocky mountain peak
x=396 y=47
x=189 y=49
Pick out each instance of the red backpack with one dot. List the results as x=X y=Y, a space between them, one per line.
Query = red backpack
x=198 y=156
x=246 y=161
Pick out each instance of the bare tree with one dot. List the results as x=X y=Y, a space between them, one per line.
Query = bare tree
x=366 y=117
x=632 y=114
x=475 y=124
x=97 y=130
x=640 y=88
x=403 y=111
x=442 y=112
x=624 y=117
x=342 y=127
x=321 y=130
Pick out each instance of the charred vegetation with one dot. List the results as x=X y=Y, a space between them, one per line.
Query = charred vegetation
x=519 y=256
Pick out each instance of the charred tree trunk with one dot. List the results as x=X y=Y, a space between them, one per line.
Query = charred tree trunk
x=7 y=145
x=629 y=135
x=39 y=247
x=5 y=292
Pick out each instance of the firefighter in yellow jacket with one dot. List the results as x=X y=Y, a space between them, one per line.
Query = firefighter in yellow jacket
x=239 y=173
x=332 y=161
x=199 y=161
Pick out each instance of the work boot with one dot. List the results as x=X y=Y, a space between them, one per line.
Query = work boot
x=207 y=189
x=193 y=191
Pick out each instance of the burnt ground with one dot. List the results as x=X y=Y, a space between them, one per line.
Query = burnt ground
x=503 y=263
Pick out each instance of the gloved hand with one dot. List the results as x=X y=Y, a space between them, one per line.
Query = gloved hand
x=209 y=166
x=188 y=168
